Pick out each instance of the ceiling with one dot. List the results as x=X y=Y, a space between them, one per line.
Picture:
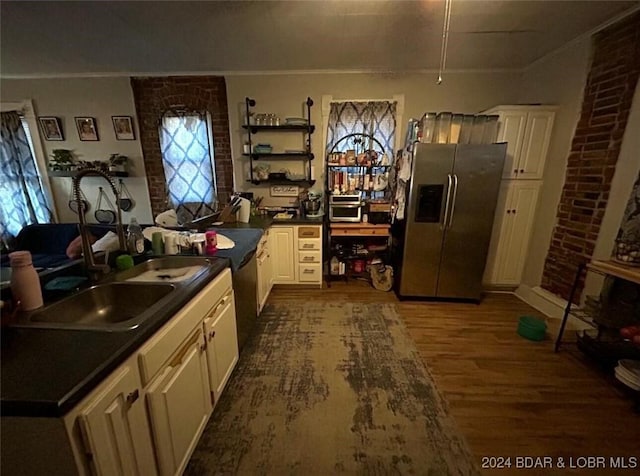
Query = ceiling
x=70 y=38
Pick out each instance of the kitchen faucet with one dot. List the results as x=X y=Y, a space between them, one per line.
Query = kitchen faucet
x=87 y=251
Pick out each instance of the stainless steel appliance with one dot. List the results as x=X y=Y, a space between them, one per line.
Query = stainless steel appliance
x=441 y=247
x=345 y=207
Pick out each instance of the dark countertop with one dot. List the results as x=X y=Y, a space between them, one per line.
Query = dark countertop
x=46 y=372
x=246 y=241
x=265 y=222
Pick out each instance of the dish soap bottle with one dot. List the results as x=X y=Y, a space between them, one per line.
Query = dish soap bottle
x=135 y=238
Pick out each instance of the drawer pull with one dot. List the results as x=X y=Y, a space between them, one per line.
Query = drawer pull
x=132 y=397
x=307 y=258
x=221 y=304
x=308 y=245
x=309 y=271
x=195 y=339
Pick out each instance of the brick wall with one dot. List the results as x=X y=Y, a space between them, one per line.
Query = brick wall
x=607 y=100
x=153 y=97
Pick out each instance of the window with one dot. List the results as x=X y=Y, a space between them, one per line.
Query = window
x=187 y=158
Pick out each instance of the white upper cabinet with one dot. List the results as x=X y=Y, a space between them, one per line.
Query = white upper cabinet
x=527 y=130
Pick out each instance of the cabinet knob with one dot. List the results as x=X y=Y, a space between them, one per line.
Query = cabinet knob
x=132 y=397
x=515 y=171
x=212 y=334
x=508 y=211
x=521 y=171
x=513 y=211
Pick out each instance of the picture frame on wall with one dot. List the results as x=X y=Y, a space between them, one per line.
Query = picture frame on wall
x=51 y=128
x=123 y=127
x=87 y=130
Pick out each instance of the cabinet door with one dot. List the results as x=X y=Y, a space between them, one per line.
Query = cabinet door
x=269 y=274
x=115 y=428
x=222 y=344
x=511 y=127
x=500 y=233
x=537 y=135
x=284 y=255
x=179 y=405
x=514 y=239
x=262 y=280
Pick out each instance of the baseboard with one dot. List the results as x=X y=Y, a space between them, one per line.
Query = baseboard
x=545 y=302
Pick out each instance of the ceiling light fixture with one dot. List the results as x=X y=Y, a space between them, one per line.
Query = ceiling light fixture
x=445 y=39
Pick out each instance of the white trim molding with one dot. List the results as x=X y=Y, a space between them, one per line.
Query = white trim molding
x=545 y=302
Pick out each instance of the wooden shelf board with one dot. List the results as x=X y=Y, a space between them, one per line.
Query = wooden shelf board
x=619 y=270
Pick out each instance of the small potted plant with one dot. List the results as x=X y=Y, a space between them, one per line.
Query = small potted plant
x=61 y=159
x=118 y=163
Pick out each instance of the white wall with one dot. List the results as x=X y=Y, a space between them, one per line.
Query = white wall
x=284 y=95
x=100 y=98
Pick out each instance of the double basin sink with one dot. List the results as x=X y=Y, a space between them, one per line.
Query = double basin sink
x=125 y=300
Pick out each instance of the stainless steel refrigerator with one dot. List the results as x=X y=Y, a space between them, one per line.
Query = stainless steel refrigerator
x=442 y=245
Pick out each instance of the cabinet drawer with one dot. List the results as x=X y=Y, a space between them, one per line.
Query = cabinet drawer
x=308 y=232
x=309 y=256
x=364 y=231
x=159 y=348
x=310 y=273
x=309 y=244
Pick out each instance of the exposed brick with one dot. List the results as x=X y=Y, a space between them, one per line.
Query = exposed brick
x=595 y=147
x=153 y=97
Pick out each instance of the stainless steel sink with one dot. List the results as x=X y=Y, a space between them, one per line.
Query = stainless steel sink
x=112 y=306
x=167 y=269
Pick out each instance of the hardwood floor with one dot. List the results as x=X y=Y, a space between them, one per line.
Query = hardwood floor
x=509 y=396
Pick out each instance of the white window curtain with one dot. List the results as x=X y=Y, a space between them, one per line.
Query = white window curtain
x=187 y=158
x=375 y=118
x=22 y=198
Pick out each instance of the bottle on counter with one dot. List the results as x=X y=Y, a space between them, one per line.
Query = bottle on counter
x=135 y=238
x=211 y=243
x=25 y=283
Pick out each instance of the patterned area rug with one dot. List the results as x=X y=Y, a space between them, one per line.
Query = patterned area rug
x=328 y=388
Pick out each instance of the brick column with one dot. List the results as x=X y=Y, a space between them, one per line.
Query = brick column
x=153 y=97
x=608 y=95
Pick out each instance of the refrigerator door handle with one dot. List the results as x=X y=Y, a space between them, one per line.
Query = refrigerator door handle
x=443 y=225
x=453 y=200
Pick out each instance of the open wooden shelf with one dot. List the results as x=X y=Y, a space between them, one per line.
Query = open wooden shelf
x=619 y=270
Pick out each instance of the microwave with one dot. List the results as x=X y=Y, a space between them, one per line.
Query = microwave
x=345 y=208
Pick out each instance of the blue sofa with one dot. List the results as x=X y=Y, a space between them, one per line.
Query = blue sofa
x=48 y=242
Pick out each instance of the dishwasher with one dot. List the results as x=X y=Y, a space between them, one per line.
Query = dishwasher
x=244 y=287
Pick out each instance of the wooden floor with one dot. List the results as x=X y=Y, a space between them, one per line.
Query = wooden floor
x=510 y=397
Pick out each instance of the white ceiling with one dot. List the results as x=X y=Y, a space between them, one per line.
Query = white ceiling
x=68 y=38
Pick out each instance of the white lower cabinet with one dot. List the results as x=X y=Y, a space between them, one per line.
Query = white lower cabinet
x=513 y=222
x=222 y=344
x=265 y=269
x=179 y=401
x=297 y=254
x=284 y=265
x=114 y=428
x=147 y=416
